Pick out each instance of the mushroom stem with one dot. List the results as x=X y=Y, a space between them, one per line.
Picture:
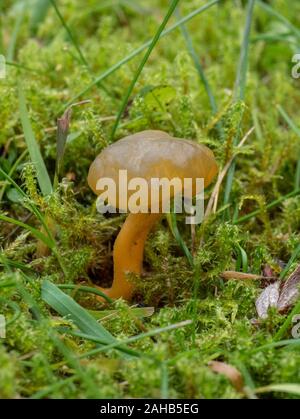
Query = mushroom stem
x=128 y=253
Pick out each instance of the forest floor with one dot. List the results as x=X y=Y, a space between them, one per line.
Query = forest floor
x=224 y=77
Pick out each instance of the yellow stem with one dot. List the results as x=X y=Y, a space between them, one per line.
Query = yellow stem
x=128 y=253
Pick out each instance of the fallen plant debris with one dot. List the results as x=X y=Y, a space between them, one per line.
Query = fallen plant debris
x=281 y=295
x=139 y=66
x=290 y=291
x=240 y=275
x=231 y=372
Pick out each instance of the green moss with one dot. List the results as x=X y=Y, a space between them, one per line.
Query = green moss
x=32 y=363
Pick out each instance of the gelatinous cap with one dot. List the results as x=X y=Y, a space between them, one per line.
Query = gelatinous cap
x=150 y=155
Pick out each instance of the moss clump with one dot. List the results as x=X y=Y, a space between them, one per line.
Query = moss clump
x=40 y=357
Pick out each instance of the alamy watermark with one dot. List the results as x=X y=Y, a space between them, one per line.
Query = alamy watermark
x=155 y=195
x=2 y=67
x=296 y=67
x=296 y=328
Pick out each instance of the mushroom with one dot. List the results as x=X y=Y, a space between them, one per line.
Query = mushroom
x=148 y=155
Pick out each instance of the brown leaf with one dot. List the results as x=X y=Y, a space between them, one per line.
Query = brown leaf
x=268 y=298
x=239 y=275
x=290 y=291
x=231 y=372
x=268 y=271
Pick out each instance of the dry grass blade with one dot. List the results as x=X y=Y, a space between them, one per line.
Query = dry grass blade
x=240 y=275
x=213 y=201
x=231 y=372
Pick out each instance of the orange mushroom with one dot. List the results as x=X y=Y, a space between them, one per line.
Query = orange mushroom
x=148 y=155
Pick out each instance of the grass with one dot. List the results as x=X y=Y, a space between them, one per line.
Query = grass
x=62 y=342
x=240 y=88
x=142 y=64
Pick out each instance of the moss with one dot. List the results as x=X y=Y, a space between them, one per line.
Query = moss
x=222 y=312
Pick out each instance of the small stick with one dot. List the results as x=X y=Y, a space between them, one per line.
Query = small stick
x=213 y=201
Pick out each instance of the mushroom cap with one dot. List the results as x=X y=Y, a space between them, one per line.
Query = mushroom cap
x=153 y=154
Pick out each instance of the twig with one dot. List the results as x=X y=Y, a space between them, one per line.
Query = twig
x=213 y=201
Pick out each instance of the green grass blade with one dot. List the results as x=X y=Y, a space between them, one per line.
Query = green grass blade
x=142 y=64
x=71 y=36
x=279 y=344
x=272 y=204
x=139 y=312
x=24 y=68
x=132 y=339
x=240 y=83
x=164 y=386
x=82 y=288
x=137 y=51
x=240 y=86
x=36 y=233
x=11 y=172
x=39 y=14
x=13 y=41
x=289 y=388
x=33 y=147
x=179 y=239
x=197 y=63
x=272 y=12
x=293 y=259
x=296 y=130
x=66 y=306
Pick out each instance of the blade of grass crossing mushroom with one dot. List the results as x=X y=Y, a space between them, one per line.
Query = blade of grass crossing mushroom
x=240 y=85
x=179 y=239
x=142 y=64
x=140 y=49
x=296 y=130
x=33 y=147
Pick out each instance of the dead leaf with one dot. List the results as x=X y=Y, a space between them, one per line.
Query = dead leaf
x=268 y=271
x=231 y=372
x=239 y=275
x=268 y=298
x=290 y=291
